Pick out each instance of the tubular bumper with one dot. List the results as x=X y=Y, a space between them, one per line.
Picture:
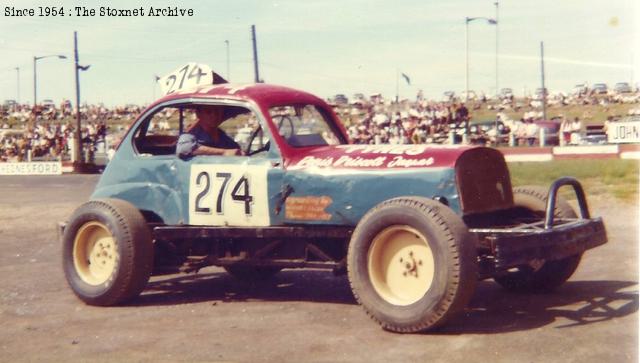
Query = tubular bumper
x=555 y=243
x=548 y=239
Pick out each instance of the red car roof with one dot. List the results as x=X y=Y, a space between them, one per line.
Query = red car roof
x=264 y=94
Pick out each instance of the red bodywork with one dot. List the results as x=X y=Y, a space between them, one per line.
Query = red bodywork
x=265 y=96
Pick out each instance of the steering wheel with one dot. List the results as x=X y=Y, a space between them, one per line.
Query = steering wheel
x=254 y=134
x=280 y=124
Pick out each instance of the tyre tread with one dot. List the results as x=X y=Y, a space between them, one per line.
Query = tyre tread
x=136 y=239
x=450 y=225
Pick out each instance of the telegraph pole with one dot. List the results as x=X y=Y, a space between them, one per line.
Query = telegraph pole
x=544 y=90
x=78 y=151
x=255 y=53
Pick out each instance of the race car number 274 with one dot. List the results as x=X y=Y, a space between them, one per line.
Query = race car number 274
x=233 y=195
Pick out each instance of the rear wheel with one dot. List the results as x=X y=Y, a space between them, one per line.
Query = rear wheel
x=539 y=275
x=412 y=264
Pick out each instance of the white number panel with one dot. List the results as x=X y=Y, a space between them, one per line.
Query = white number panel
x=186 y=77
x=233 y=195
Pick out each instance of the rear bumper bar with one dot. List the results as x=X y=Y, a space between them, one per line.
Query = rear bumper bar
x=567 y=239
x=548 y=239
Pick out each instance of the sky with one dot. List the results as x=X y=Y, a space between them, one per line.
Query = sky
x=325 y=47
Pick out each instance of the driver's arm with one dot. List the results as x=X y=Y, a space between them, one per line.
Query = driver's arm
x=188 y=146
x=210 y=150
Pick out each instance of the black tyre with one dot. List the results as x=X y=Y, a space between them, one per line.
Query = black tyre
x=412 y=264
x=252 y=273
x=107 y=252
x=546 y=275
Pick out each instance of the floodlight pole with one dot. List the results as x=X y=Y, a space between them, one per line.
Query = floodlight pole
x=466 y=37
x=35 y=82
x=228 y=73
x=467 y=20
x=18 y=84
x=544 y=90
x=35 y=74
x=497 y=24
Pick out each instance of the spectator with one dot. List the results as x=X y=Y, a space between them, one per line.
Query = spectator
x=531 y=132
x=576 y=128
x=565 y=131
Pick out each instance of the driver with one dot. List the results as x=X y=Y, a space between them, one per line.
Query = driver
x=205 y=137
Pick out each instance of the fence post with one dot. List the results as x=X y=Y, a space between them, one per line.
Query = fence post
x=452 y=139
x=512 y=139
x=72 y=147
x=543 y=140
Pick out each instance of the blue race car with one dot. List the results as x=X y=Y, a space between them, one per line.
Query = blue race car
x=414 y=226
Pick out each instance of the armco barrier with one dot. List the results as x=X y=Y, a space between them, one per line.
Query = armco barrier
x=626 y=151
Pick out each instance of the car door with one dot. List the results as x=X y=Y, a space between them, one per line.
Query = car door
x=234 y=190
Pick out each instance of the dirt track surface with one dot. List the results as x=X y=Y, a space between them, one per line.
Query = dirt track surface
x=300 y=316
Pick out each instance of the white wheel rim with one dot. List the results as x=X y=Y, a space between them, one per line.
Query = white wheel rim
x=400 y=265
x=94 y=253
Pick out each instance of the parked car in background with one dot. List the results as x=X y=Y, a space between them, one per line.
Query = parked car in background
x=506 y=93
x=600 y=88
x=448 y=96
x=622 y=87
x=551 y=131
x=48 y=104
x=485 y=130
x=472 y=95
x=594 y=135
x=340 y=99
x=540 y=92
x=580 y=89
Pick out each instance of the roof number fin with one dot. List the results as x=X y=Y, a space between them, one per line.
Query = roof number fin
x=186 y=77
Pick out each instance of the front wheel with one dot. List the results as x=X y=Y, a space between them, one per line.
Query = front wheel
x=412 y=264
x=107 y=252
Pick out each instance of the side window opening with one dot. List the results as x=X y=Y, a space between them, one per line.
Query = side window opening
x=304 y=125
x=159 y=134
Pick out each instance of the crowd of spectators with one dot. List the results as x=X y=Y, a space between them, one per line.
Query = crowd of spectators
x=23 y=113
x=423 y=122
x=45 y=132
x=376 y=121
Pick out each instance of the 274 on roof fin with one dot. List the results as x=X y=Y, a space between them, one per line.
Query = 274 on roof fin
x=188 y=76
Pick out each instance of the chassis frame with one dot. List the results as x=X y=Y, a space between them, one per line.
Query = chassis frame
x=499 y=247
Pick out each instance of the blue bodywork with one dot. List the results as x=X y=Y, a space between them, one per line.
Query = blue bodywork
x=159 y=184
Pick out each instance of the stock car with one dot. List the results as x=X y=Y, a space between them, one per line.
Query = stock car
x=413 y=226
